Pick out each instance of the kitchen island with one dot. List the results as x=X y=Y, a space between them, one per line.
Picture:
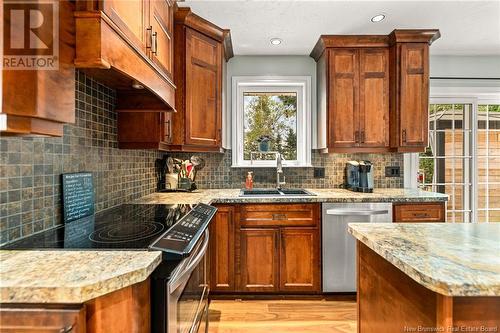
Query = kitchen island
x=436 y=277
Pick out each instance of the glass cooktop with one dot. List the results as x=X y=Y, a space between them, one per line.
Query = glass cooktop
x=123 y=227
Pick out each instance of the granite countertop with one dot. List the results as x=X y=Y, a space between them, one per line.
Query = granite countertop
x=452 y=259
x=70 y=276
x=231 y=196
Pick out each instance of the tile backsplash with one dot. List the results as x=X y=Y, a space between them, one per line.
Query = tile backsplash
x=31 y=168
x=219 y=174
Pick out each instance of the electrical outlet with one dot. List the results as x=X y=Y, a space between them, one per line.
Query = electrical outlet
x=392 y=171
x=319 y=172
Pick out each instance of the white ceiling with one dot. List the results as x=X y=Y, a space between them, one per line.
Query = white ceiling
x=467 y=27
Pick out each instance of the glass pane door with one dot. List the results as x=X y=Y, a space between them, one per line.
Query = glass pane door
x=445 y=166
x=488 y=161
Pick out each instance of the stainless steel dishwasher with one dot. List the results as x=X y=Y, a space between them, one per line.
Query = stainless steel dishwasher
x=339 y=247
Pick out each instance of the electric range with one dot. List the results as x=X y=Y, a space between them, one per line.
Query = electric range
x=179 y=285
x=127 y=226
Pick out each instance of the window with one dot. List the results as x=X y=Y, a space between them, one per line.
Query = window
x=272 y=115
x=463 y=157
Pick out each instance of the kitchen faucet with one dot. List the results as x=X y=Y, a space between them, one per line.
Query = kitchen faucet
x=279 y=170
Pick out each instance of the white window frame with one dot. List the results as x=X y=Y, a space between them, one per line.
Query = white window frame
x=457 y=95
x=298 y=84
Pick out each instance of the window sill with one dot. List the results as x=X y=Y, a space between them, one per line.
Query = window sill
x=256 y=166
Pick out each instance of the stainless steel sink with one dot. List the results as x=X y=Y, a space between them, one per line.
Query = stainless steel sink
x=274 y=192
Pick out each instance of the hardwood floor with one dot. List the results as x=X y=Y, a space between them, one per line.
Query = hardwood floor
x=280 y=316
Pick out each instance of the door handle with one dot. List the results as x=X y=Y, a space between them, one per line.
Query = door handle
x=348 y=212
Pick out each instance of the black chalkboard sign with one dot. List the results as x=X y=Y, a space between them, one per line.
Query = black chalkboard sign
x=78 y=195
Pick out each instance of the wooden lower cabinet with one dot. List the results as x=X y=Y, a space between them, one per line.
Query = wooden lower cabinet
x=259 y=260
x=40 y=320
x=419 y=212
x=222 y=250
x=125 y=310
x=299 y=261
x=266 y=249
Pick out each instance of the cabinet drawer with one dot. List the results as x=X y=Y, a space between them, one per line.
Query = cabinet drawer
x=279 y=215
x=40 y=320
x=419 y=212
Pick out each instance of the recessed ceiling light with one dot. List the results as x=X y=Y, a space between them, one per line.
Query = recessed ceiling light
x=378 y=18
x=275 y=41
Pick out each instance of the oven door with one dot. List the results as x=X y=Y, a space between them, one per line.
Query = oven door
x=188 y=292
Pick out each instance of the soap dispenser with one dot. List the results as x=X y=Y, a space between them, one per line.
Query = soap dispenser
x=249 y=181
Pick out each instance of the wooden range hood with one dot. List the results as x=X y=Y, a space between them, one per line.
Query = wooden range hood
x=106 y=50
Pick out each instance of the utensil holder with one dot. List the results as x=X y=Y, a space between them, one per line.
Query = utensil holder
x=186 y=184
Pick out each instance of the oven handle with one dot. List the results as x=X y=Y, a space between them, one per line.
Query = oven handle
x=184 y=276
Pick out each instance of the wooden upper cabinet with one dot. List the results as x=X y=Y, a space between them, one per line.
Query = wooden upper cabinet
x=374 y=97
x=409 y=88
x=259 y=260
x=414 y=95
x=222 y=250
x=29 y=104
x=203 y=90
x=343 y=111
x=161 y=25
x=124 y=44
x=358 y=105
x=373 y=91
x=200 y=50
x=130 y=17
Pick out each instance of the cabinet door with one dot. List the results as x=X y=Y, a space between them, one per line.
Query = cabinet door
x=129 y=16
x=26 y=320
x=222 y=250
x=161 y=17
x=259 y=260
x=203 y=90
x=299 y=260
x=414 y=95
x=343 y=108
x=374 y=97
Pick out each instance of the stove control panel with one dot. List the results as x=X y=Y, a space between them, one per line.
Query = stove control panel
x=183 y=235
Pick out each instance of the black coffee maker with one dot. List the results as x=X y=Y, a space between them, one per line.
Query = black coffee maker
x=365 y=177
x=359 y=176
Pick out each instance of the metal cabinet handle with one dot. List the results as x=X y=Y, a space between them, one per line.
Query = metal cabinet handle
x=155 y=40
x=347 y=212
x=404 y=135
x=362 y=136
x=421 y=215
x=67 y=329
x=149 y=37
x=168 y=128
x=279 y=216
x=356 y=136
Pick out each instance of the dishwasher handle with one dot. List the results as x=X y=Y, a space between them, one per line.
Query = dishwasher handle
x=353 y=212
